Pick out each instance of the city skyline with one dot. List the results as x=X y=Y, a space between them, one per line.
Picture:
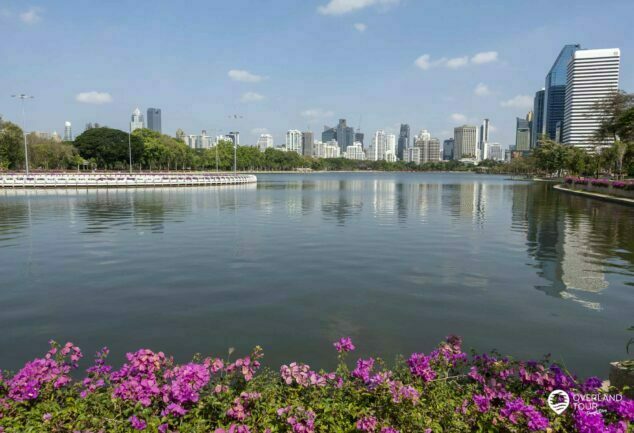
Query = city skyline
x=462 y=79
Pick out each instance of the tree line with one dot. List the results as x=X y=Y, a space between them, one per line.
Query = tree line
x=109 y=149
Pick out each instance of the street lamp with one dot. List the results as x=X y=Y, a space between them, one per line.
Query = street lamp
x=22 y=97
x=235 y=144
x=130 y=146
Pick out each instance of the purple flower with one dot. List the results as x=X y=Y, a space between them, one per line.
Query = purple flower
x=364 y=367
x=420 y=366
x=47 y=417
x=344 y=345
x=389 y=430
x=482 y=403
x=137 y=424
x=367 y=424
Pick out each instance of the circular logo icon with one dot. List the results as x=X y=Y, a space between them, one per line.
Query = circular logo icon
x=558 y=401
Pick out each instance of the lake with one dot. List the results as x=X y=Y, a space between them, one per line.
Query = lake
x=396 y=261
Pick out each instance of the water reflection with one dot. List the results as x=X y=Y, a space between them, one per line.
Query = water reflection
x=376 y=255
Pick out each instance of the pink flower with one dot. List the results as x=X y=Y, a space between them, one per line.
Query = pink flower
x=344 y=345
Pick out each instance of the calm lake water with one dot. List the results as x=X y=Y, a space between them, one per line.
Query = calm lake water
x=397 y=261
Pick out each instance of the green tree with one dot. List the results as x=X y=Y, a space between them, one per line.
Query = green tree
x=11 y=146
x=108 y=147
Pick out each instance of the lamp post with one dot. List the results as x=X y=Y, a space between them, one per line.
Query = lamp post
x=235 y=144
x=22 y=97
x=130 y=146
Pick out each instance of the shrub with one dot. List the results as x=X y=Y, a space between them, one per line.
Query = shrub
x=600 y=182
x=443 y=391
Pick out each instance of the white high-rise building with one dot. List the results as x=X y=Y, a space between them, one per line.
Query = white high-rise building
x=593 y=75
x=494 y=152
x=355 y=151
x=68 y=131
x=294 y=141
x=265 y=141
x=136 y=120
x=390 y=148
x=377 y=150
x=413 y=154
x=331 y=149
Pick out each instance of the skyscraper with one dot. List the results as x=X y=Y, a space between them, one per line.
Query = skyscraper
x=358 y=137
x=294 y=141
x=345 y=135
x=403 y=141
x=523 y=135
x=447 y=149
x=555 y=91
x=136 y=120
x=328 y=134
x=154 y=119
x=538 y=118
x=308 y=140
x=593 y=76
x=68 y=131
x=465 y=141
x=484 y=139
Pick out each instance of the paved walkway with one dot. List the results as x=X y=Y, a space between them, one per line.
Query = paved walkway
x=621 y=200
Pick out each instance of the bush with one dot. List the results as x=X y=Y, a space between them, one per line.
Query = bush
x=444 y=391
x=604 y=183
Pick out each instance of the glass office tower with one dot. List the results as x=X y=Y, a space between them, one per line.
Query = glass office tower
x=555 y=91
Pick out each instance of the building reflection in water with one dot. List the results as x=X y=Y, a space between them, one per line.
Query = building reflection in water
x=570 y=239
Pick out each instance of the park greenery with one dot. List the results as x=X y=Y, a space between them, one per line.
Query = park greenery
x=110 y=149
x=446 y=390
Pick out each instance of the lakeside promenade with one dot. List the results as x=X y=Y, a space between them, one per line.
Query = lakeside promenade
x=120 y=180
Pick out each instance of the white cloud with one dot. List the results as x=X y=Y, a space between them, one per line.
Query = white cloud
x=481 y=90
x=251 y=97
x=485 y=57
x=94 y=97
x=425 y=61
x=457 y=117
x=245 y=76
x=258 y=131
x=457 y=62
x=340 y=7
x=32 y=15
x=519 y=101
x=360 y=27
x=317 y=113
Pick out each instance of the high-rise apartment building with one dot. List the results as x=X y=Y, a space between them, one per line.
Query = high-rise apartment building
x=294 y=141
x=465 y=142
x=265 y=142
x=593 y=76
x=403 y=141
x=355 y=151
x=307 y=143
x=376 y=152
x=154 y=119
x=538 y=118
x=555 y=91
x=136 y=121
x=358 y=137
x=68 y=131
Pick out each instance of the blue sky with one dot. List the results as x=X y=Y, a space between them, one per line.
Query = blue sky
x=286 y=64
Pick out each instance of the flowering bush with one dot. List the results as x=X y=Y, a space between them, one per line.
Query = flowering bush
x=600 y=182
x=442 y=391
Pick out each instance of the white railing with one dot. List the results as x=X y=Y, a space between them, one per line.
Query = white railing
x=113 y=180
